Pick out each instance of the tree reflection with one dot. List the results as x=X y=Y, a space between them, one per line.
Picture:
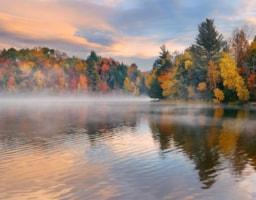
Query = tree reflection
x=48 y=122
x=212 y=138
x=209 y=138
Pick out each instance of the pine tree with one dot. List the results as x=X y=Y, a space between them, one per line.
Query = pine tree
x=92 y=73
x=164 y=62
x=208 y=42
x=155 y=90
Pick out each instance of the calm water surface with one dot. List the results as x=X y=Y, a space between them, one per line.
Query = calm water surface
x=126 y=151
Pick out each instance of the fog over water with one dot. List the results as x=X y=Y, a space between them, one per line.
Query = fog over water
x=121 y=147
x=65 y=98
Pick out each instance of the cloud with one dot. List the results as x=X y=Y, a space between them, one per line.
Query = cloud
x=111 y=3
x=143 y=47
x=117 y=28
x=25 y=25
x=96 y=36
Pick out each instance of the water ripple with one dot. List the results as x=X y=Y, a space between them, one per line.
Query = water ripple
x=127 y=152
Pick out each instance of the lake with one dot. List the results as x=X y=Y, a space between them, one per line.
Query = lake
x=126 y=150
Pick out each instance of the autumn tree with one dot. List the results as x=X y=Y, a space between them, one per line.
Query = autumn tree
x=164 y=76
x=240 y=45
x=231 y=79
x=168 y=82
x=188 y=76
x=213 y=75
x=251 y=63
x=129 y=86
x=39 y=68
x=218 y=95
x=251 y=55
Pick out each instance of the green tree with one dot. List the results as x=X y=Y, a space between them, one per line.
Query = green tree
x=92 y=73
x=164 y=62
x=121 y=73
x=11 y=53
x=155 y=90
x=209 y=41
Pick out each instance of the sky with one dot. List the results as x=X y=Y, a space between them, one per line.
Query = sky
x=130 y=31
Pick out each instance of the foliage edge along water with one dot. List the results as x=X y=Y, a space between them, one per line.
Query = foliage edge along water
x=211 y=70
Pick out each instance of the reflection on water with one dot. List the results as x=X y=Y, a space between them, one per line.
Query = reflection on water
x=127 y=151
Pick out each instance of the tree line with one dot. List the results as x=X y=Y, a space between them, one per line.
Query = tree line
x=211 y=69
x=44 y=69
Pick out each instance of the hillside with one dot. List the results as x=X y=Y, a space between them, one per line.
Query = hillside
x=44 y=69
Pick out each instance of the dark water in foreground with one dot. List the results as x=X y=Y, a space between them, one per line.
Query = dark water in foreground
x=126 y=151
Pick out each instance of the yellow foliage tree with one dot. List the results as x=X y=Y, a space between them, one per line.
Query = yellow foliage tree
x=242 y=91
x=231 y=78
x=213 y=74
x=186 y=59
x=168 y=82
x=202 y=87
x=188 y=64
x=218 y=94
x=128 y=85
x=148 y=80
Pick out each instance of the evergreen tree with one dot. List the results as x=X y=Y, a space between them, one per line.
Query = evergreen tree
x=92 y=73
x=121 y=73
x=155 y=90
x=208 y=42
x=164 y=62
x=93 y=57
